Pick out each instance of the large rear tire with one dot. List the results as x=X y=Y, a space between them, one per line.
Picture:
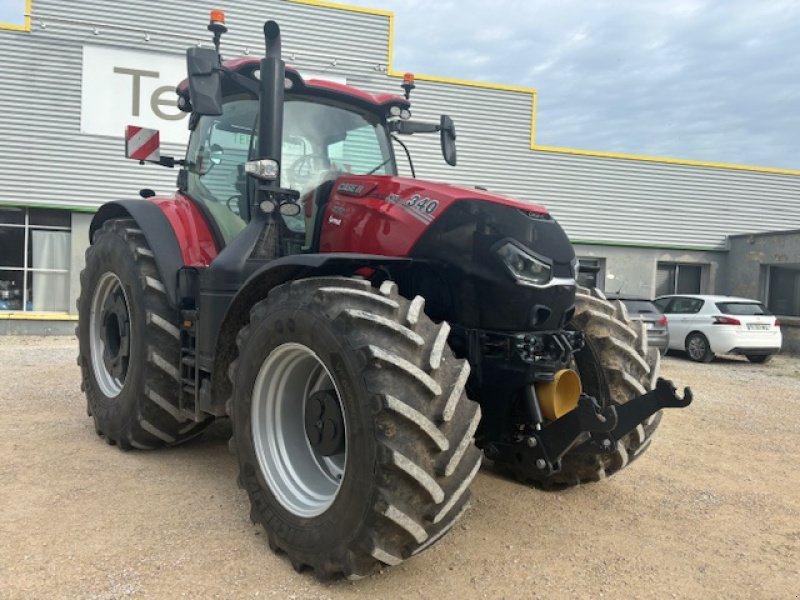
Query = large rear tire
x=382 y=469
x=615 y=365
x=129 y=344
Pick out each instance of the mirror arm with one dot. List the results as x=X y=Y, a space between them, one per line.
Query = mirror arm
x=166 y=161
x=249 y=84
x=409 y=127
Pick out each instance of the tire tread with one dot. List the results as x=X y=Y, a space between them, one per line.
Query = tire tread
x=623 y=355
x=156 y=420
x=420 y=494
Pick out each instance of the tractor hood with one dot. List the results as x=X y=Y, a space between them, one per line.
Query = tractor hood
x=442 y=194
x=487 y=246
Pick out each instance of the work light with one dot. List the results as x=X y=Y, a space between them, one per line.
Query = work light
x=265 y=169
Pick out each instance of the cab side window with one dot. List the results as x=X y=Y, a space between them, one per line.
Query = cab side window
x=215 y=161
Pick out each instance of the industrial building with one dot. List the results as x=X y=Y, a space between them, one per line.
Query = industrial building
x=74 y=74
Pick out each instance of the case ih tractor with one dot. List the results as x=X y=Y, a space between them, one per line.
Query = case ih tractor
x=371 y=337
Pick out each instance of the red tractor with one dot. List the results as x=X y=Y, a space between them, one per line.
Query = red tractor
x=371 y=337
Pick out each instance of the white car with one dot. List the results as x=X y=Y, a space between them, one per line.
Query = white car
x=704 y=326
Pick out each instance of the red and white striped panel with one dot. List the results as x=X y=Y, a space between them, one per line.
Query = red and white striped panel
x=142 y=144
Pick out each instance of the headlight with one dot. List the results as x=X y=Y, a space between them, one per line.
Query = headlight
x=525 y=267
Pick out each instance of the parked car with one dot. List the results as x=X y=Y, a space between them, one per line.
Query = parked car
x=704 y=326
x=655 y=321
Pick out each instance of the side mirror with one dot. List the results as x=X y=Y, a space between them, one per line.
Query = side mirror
x=448 y=134
x=205 y=83
x=217 y=152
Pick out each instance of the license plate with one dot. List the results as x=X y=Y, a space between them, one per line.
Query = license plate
x=650 y=325
x=757 y=327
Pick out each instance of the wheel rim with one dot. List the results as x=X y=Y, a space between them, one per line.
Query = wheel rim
x=697 y=347
x=302 y=473
x=109 y=335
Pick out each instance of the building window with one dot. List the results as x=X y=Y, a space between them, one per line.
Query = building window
x=591 y=272
x=34 y=259
x=783 y=291
x=675 y=278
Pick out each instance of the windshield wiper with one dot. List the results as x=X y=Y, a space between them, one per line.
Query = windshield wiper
x=383 y=164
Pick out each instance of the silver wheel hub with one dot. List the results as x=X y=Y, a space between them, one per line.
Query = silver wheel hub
x=299 y=430
x=110 y=335
x=697 y=347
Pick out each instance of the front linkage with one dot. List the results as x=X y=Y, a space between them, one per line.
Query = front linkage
x=593 y=427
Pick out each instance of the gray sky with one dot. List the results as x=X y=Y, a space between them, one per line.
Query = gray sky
x=12 y=11
x=716 y=81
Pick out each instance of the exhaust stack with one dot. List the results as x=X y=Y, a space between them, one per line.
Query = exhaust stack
x=273 y=74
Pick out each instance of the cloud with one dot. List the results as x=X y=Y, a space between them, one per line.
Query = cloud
x=717 y=81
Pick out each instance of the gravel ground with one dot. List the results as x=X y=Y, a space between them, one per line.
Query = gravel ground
x=711 y=510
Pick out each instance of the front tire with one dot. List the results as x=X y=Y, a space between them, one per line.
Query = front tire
x=129 y=344
x=323 y=355
x=615 y=366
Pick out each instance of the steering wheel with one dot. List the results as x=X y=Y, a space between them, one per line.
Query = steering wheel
x=237 y=207
x=303 y=169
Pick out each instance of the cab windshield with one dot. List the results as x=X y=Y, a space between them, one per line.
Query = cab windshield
x=320 y=143
x=323 y=141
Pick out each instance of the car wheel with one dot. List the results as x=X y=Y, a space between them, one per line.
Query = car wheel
x=759 y=358
x=698 y=348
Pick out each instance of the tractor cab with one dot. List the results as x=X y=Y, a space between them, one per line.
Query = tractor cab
x=329 y=130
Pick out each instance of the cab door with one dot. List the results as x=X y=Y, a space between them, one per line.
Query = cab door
x=215 y=177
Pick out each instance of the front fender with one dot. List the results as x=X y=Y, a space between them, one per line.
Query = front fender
x=158 y=232
x=176 y=230
x=270 y=275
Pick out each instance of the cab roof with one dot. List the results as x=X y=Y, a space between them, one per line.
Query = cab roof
x=248 y=65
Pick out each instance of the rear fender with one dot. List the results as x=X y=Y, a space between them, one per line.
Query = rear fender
x=275 y=273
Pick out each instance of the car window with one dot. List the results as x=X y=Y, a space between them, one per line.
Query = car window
x=640 y=307
x=662 y=303
x=686 y=306
x=742 y=308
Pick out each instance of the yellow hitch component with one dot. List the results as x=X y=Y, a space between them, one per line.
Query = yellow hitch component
x=560 y=396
